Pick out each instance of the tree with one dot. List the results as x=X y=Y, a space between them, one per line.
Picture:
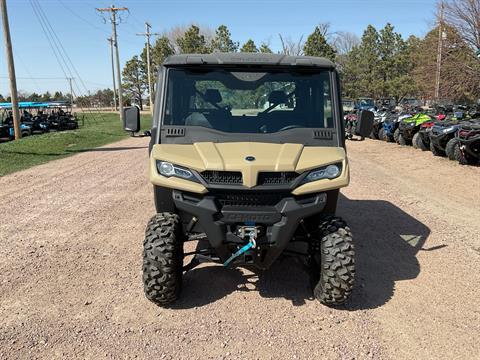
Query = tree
x=2 y=99
x=249 y=47
x=464 y=17
x=162 y=48
x=34 y=97
x=46 y=97
x=291 y=47
x=264 y=48
x=316 y=45
x=344 y=42
x=459 y=67
x=134 y=83
x=193 y=42
x=222 y=41
x=58 y=96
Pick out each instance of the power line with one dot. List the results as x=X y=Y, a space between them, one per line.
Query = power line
x=59 y=51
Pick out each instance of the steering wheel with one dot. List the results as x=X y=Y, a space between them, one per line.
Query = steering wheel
x=288 y=127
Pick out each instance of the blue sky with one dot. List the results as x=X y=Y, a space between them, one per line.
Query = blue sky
x=83 y=33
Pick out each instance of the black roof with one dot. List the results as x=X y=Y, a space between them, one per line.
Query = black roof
x=260 y=59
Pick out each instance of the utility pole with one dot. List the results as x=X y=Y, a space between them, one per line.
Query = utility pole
x=110 y=40
x=11 y=70
x=71 y=91
x=147 y=35
x=113 y=19
x=439 y=54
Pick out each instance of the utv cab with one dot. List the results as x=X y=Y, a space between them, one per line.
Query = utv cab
x=247 y=156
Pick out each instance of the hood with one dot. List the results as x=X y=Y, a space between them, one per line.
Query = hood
x=263 y=157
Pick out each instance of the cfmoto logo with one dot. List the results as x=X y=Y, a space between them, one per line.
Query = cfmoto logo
x=250 y=158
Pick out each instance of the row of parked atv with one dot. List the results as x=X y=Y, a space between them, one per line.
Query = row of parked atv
x=38 y=123
x=454 y=134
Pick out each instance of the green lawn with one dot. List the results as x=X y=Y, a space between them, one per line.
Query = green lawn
x=98 y=130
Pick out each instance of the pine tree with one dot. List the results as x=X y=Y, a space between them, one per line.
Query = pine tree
x=222 y=41
x=193 y=42
x=317 y=45
x=249 y=47
x=134 y=83
x=264 y=48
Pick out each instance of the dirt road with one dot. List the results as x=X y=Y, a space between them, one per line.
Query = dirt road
x=70 y=263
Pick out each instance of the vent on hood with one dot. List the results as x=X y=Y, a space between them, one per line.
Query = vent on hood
x=323 y=134
x=175 y=132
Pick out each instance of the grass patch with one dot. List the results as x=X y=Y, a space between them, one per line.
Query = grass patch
x=97 y=130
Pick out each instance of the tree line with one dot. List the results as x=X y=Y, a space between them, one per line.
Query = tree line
x=380 y=64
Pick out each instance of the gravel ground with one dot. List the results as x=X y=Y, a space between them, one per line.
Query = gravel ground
x=70 y=259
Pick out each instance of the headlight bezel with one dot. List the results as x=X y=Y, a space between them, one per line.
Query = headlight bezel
x=176 y=171
x=321 y=173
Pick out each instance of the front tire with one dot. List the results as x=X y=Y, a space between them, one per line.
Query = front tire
x=396 y=135
x=461 y=157
x=415 y=140
x=334 y=259
x=381 y=134
x=163 y=259
x=450 y=148
x=436 y=151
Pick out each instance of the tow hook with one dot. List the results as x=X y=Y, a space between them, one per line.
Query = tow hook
x=249 y=232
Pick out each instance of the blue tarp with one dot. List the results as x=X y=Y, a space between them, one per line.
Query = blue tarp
x=34 y=104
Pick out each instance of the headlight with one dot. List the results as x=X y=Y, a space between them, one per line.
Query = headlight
x=168 y=169
x=447 y=130
x=327 y=172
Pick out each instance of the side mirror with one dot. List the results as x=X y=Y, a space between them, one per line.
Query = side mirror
x=364 y=123
x=131 y=119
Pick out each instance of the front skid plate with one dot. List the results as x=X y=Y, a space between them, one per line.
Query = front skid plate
x=280 y=220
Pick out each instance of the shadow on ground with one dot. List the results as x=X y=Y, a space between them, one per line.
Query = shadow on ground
x=386 y=238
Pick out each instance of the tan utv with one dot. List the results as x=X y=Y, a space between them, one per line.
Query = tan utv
x=247 y=156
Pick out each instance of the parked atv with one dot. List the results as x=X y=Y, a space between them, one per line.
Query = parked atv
x=61 y=121
x=421 y=140
x=37 y=124
x=408 y=127
x=247 y=189
x=379 y=119
x=443 y=138
x=467 y=149
x=351 y=126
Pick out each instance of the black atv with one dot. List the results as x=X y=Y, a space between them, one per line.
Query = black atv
x=38 y=124
x=62 y=121
x=467 y=148
x=443 y=138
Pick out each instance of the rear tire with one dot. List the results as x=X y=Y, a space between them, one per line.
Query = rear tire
x=450 y=148
x=436 y=151
x=334 y=262
x=396 y=135
x=163 y=259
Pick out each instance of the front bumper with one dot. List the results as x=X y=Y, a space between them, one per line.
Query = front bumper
x=408 y=131
x=219 y=219
x=471 y=146
x=440 y=140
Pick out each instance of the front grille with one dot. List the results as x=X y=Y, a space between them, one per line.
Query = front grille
x=222 y=177
x=276 y=178
x=249 y=198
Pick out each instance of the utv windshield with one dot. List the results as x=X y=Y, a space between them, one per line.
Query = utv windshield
x=247 y=101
